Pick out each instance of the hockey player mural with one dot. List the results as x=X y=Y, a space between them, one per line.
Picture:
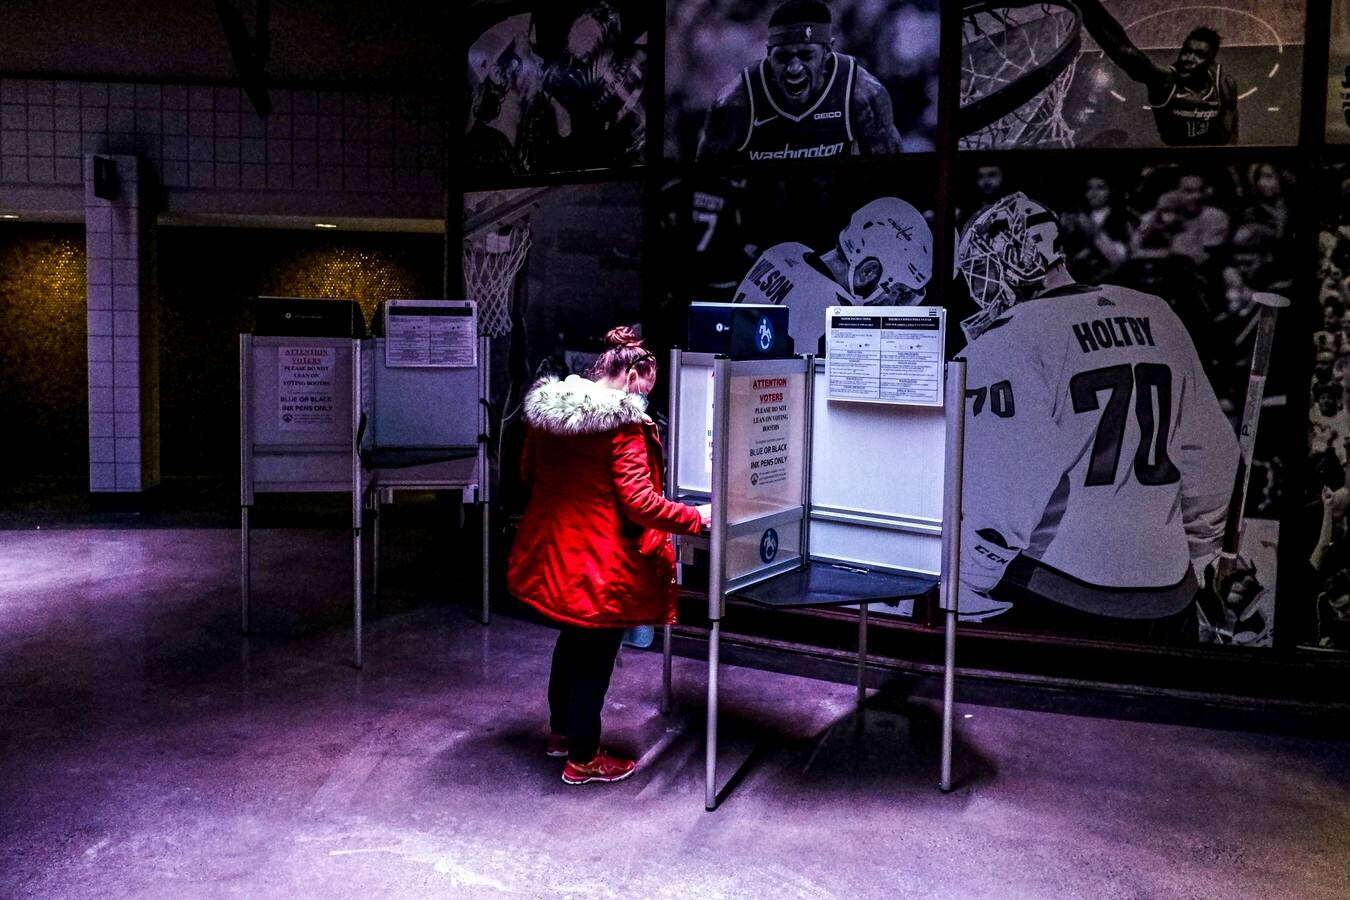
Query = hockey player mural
x=883 y=257
x=807 y=239
x=1105 y=476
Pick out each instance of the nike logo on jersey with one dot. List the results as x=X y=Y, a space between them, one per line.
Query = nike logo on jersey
x=1118 y=331
x=764 y=121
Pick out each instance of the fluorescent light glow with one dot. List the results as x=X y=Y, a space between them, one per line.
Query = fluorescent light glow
x=8 y=216
x=324 y=225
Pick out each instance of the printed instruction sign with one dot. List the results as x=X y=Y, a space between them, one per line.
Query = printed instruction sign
x=305 y=388
x=885 y=354
x=430 y=334
x=769 y=429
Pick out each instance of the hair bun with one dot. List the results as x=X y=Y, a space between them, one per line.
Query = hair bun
x=623 y=336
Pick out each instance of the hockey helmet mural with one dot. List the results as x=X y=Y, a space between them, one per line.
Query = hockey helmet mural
x=1004 y=255
x=894 y=234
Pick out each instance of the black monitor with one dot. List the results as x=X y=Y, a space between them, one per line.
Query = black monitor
x=740 y=330
x=309 y=317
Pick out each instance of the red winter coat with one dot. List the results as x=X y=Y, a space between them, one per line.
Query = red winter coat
x=594 y=546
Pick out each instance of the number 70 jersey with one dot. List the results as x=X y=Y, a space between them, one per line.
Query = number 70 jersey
x=1094 y=443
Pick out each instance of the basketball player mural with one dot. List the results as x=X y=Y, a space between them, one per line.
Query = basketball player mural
x=1194 y=102
x=802 y=100
x=1099 y=465
x=884 y=257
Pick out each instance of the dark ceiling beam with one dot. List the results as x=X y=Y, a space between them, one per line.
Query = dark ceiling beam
x=250 y=52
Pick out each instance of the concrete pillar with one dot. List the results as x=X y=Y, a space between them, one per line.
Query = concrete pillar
x=123 y=331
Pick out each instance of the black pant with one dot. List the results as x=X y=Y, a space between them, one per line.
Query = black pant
x=583 y=661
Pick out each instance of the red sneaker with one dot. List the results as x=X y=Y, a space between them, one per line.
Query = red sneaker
x=603 y=768
x=557 y=744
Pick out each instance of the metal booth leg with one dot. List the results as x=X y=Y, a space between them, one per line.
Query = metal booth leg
x=667 y=697
x=487 y=569
x=375 y=547
x=357 y=598
x=862 y=653
x=710 y=771
x=948 y=700
x=245 y=569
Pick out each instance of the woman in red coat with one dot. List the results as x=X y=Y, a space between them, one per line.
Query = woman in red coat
x=593 y=550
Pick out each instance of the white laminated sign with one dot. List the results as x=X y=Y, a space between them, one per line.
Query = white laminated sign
x=886 y=354
x=769 y=435
x=430 y=334
x=305 y=399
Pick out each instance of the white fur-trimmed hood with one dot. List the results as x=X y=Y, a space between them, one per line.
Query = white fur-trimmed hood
x=578 y=405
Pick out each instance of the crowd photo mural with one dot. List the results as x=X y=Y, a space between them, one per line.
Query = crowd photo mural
x=1126 y=398
x=558 y=87
x=1326 y=626
x=1130 y=73
x=764 y=80
x=1338 y=74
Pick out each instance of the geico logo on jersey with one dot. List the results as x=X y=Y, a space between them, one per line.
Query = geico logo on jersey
x=834 y=114
x=818 y=152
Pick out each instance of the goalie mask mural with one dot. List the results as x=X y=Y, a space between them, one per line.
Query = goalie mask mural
x=1004 y=255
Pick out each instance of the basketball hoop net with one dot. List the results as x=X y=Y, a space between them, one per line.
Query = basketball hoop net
x=1017 y=62
x=492 y=259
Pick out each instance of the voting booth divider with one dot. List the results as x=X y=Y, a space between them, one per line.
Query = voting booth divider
x=365 y=418
x=299 y=410
x=425 y=383
x=819 y=500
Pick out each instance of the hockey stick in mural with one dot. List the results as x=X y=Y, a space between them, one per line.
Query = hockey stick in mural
x=1220 y=616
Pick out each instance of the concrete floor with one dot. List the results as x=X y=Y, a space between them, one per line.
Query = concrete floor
x=147 y=750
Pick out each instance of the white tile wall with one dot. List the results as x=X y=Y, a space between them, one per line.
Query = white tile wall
x=193 y=138
x=118 y=423
x=209 y=138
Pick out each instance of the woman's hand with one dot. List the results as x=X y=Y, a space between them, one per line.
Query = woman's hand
x=705 y=515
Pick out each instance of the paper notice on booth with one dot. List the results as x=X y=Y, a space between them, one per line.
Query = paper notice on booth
x=305 y=388
x=768 y=445
x=885 y=354
x=430 y=336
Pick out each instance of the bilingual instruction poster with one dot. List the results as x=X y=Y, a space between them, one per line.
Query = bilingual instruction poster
x=431 y=335
x=885 y=354
x=305 y=388
x=768 y=445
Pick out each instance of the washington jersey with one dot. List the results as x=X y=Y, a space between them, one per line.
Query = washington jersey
x=792 y=274
x=1190 y=117
x=823 y=130
x=1098 y=463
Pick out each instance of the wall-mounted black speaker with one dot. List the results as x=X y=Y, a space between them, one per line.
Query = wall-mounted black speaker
x=105 y=178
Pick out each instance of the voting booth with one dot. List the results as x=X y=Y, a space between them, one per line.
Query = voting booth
x=424 y=412
x=299 y=411
x=365 y=417
x=832 y=482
